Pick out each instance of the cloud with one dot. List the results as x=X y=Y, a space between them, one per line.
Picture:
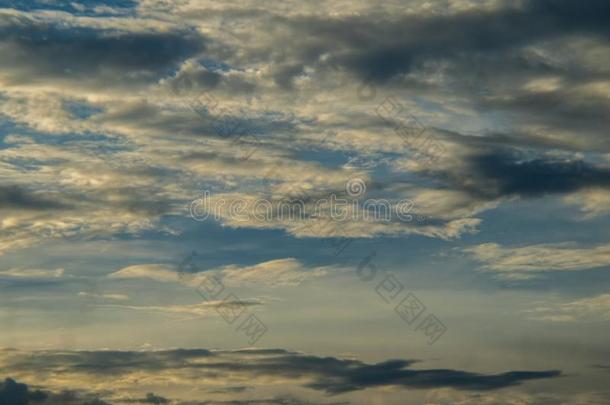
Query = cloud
x=508 y=176
x=204 y=308
x=18 y=393
x=78 y=201
x=158 y=272
x=298 y=82
x=480 y=173
x=315 y=56
x=32 y=273
x=15 y=197
x=445 y=396
x=383 y=46
x=102 y=139
x=299 y=208
x=240 y=388
x=37 y=46
x=593 y=201
x=273 y=273
x=531 y=261
x=327 y=374
x=116 y=297
x=279 y=400
x=585 y=309
x=14 y=393
x=150 y=398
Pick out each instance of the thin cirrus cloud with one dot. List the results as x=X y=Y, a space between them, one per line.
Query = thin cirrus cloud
x=158 y=272
x=532 y=261
x=273 y=273
x=202 y=309
x=105 y=296
x=444 y=396
x=32 y=273
x=596 y=309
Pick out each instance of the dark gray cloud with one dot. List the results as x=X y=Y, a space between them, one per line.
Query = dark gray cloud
x=96 y=401
x=393 y=373
x=73 y=397
x=380 y=47
x=329 y=374
x=34 y=50
x=14 y=393
x=196 y=79
x=269 y=401
x=203 y=118
x=109 y=362
x=16 y=197
x=67 y=5
x=483 y=55
x=509 y=172
x=583 y=114
x=150 y=398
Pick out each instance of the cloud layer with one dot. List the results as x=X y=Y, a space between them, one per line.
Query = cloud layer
x=257 y=367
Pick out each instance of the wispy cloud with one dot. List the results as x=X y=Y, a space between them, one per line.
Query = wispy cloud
x=530 y=261
x=273 y=273
x=32 y=273
x=585 y=309
x=204 y=308
x=105 y=296
x=157 y=272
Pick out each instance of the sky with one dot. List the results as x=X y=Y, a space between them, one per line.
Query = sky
x=304 y=202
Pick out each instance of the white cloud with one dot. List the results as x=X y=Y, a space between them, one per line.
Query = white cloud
x=530 y=261
x=32 y=273
x=585 y=309
x=114 y=297
x=592 y=201
x=274 y=273
x=204 y=308
x=157 y=272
